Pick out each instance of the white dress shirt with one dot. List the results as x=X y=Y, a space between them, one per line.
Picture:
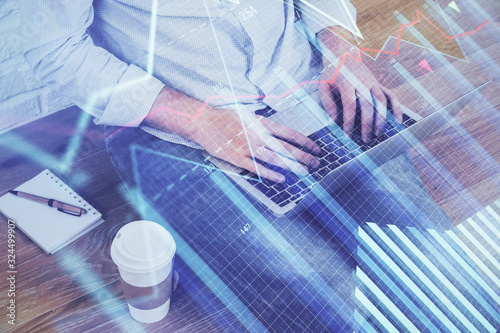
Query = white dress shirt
x=220 y=51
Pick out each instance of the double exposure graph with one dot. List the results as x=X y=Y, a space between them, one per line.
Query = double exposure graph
x=378 y=26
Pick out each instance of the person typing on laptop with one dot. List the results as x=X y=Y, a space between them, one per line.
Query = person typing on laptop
x=219 y=130
x=170 y=79
x=101 y=81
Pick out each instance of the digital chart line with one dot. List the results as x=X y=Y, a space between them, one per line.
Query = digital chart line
x=420 y=17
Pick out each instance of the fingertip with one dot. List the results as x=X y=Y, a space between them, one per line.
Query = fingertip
x=367 y=121
x=366 y=137
x=348 y=127
x=274 y=176
x=311 y=146
x=280 y=178
x=380 y=124
x=316 y=149
x=314 y=162
x=301 y=170
x=333 y=117
x=399 y=116
x=396 y=109
x=366 y=132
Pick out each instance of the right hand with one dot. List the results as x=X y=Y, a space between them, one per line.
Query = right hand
x=354 y=81
x=224 y=135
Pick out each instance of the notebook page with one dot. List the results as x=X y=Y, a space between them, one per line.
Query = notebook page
x=47 y=226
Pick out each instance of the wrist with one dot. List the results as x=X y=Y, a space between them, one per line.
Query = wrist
x=174 y=112
x=342 y=33
x=337 y=39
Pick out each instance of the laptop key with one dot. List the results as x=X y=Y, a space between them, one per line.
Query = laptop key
x=261 y=186
x=323 y=172
x=333 y=145
x=295 y=189
x=304 y=183
x=270 y=191
x=307 y=182
x=336 y=164
x=343 y=154
x=409 y=122
x=405 y=117
x=280 y=197
x=383 y=137
x=371 y=144
x=322 y=163
x=305 y=191
x=284 y=203
x=391 y=132
x=331 y=157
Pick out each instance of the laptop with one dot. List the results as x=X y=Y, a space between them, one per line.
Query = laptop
x=341 y=158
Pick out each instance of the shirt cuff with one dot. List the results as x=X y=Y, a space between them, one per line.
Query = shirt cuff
x=320 y=14
x=131 y=99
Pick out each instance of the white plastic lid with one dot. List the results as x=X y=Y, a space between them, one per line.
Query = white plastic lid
x=142 y=246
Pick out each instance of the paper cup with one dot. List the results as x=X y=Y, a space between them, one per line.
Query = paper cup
x=144 y=253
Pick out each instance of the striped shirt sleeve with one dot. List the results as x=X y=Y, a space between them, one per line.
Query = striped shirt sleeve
x=62 y=53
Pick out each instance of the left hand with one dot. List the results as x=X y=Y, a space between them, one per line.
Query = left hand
x=354 y=81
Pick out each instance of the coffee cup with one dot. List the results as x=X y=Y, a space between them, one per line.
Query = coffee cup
x=144 y=253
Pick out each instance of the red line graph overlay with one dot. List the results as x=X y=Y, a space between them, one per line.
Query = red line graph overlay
x=357 y=58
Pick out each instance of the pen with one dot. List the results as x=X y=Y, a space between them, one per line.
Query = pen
x=61 y=206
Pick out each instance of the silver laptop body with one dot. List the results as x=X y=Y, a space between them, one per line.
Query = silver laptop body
x=309 y=118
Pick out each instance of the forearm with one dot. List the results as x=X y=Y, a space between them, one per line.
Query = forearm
x=337 y=40
x=174 y=112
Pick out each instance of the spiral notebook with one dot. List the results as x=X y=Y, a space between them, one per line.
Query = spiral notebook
x=46 y=226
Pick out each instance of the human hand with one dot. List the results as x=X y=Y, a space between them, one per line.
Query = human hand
x=353 y=82
x=237 y=140
x=226 y=136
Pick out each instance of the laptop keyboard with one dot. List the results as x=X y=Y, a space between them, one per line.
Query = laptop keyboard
x=334 y=153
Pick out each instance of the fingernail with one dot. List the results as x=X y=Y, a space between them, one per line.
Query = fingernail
x=315 y=162
x=302 y=171
x=281 y=178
